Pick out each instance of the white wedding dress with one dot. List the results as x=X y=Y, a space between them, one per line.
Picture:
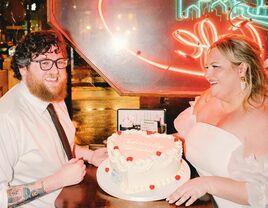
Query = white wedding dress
x=214 y=151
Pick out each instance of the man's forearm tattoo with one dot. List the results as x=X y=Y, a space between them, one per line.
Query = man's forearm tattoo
x=18 y=195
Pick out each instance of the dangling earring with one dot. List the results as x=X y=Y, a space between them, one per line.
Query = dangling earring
x=243 y=83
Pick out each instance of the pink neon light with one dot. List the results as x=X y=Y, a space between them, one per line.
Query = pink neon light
x=204 y=44
x=212 y=28
x=200 y=45
x=192 y=41
x=255 y=35
x=154 y=63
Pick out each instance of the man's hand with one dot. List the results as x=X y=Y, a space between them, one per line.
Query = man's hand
x=71 y=173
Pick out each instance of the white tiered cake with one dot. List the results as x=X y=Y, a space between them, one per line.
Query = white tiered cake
x=139 y=161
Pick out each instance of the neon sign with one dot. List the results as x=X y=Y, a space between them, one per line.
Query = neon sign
x=199 y=41
x=257 y=12
x=142 y=48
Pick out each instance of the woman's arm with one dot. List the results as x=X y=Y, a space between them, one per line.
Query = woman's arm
x=93 y=157
x=228 y=188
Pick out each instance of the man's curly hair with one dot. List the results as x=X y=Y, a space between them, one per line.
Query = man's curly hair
x=33 y=45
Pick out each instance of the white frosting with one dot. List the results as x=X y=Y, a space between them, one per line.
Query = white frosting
x=139 y=161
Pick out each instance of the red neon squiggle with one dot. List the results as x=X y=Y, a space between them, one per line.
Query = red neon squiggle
x=199 y=44
x=255 y=35
x=203 y=43
x=192 y=41
x=212 y=29
x=154 y=63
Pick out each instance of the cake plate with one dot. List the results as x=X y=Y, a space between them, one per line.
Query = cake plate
x=107 y=184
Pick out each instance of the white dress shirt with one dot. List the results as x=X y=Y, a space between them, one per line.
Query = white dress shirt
x=30 y=148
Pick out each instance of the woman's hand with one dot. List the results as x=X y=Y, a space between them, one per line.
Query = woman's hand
x=93 y=157
x=98 y=156
x=190 y=191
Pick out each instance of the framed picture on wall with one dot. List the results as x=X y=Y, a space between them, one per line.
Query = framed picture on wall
x=141 y=119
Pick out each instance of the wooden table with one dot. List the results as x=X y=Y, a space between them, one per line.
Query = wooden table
x=88 y=194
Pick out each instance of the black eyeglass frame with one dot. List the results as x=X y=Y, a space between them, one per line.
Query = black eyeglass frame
x=53 y=62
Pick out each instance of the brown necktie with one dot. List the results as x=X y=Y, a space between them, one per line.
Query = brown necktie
x=60 y=130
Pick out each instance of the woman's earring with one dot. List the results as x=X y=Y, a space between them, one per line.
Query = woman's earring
x=243 y=83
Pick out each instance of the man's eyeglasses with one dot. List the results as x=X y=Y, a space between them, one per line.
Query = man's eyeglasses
x=47 y=64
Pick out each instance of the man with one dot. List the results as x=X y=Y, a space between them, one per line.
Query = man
x=34 y=164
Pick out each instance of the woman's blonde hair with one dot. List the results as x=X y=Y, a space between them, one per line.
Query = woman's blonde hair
x=239 y=49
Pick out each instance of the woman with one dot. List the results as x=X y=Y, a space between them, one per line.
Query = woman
x=226 y=129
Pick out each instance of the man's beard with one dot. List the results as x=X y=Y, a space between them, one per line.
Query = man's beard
x=41 y=91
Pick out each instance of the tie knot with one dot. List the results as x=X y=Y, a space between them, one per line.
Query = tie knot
x=53 y=114
x=50 y=105
x=51 y=108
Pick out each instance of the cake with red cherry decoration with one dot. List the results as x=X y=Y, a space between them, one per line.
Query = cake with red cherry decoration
x=140 y=161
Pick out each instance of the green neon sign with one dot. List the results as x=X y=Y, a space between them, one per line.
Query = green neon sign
x=257 y=12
